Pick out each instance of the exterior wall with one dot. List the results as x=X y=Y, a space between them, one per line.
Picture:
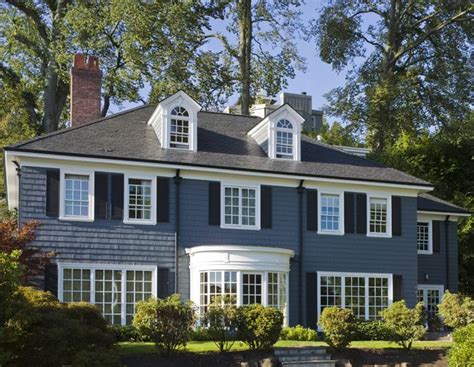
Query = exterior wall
x=100 y=241
x=434 y=265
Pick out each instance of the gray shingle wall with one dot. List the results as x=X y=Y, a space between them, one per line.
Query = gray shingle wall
x=435 y=265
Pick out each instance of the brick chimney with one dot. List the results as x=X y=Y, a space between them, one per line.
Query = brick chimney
x=86 y=83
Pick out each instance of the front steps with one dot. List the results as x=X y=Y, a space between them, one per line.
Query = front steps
x=304 y=357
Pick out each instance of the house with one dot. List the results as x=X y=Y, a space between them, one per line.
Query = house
x=170 y=198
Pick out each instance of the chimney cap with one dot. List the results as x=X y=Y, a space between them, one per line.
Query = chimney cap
x=85 y=62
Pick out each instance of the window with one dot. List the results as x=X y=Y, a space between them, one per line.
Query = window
x=251 y=289
x=115 y=290
x=284 y=139
x=240 y=207
x=214 y=284
x=76 y=196
x=179 y=128
x=424 y=237
x=430 y=295
x=379 y=216
x=365 y=294
x=140 y=200
x=330 y=217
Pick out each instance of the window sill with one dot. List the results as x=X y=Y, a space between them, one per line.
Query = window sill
x=240 y=227
x=379 y=235
x=425 y=252
x=76 y=219
x=331 y=233
x=139 y=222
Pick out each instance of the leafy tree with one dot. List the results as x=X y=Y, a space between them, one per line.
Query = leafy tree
x=462 y=351
x=457 y=311
x=337 y=134
x=415 y=69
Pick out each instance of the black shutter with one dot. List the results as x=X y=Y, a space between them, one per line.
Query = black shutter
x=52 y=193
x=163 y=195
x=163 y=290
x=349 y=220
x=311 y=300
x=101 y=185
x=397 y=288
x=436 y=236
x=51 y=279
x=266 y=207
x=312 y=210
x=396 y=215
x=214 y=203
x=361 y=217
x=117 y=196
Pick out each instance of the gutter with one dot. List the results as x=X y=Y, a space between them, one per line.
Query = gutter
x=18 y=173
x=446 y=229
x=177 y=181
x=300 y=190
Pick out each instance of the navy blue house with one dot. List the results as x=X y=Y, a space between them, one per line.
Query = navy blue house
x=169 y=198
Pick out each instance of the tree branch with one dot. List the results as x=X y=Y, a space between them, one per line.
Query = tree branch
x=33 y=14
x=371 y=42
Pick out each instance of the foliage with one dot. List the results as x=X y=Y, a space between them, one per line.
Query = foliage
x=298 y=332
x=48 y=333
x=415 y=69
x=456 y=310
x=462 y=351
x=14 y=238
x=200 y=334
x=339 y=326
x=221 y=321
x=337 y=134
x=405 y=325
x=126 y=333
x=168 y=322
x=259 y=327
x=372 y=330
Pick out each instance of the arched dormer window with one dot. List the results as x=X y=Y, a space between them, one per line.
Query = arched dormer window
x=284 y=139
x=179 y=128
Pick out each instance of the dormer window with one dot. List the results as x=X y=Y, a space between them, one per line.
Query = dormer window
x=179 y=128
x=284 y=139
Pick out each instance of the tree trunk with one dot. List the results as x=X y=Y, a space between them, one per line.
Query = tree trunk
x=245 y=48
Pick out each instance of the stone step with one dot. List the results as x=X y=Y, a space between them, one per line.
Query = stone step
x=312 y=363
x=296 y=358
x=300 y=351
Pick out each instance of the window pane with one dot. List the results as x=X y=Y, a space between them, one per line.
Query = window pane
x=179 y=128
x=251 y=288
x=329 y=212
x=76 y=285
x=284 y=139
x=378 y=215
x=139 y=199
x=422 y=236
x=76 y=195
x=139 y=285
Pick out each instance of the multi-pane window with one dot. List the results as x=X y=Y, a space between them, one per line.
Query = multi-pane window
x=76 y=195
x=330 y=213
x=284 y=139
x=378 y=215
x=251 y=288
x=179 y=128
x=365 y=295
x=431 y=296
x=139 y=199
x=105 y=287
x=214 y=284
x=276 y=291
x=423 y=241
x=240 y=206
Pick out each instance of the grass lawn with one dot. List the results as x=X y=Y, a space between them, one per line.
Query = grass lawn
x=203 y=347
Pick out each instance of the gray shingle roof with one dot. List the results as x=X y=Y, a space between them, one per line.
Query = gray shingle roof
x=222 y=143
x=430 y=203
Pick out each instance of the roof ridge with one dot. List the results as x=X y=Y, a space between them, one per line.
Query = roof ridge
x=74 y=128
x=230 y=114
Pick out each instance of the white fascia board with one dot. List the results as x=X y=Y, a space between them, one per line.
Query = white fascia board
x=442 y=215
x=11 y=180
x=187 y=171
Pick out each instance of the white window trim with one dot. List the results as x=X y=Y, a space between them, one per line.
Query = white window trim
x=192 y=120
x=152 y=220
x=122 y=267
x=294 y=142
x=62 y=216
x=430 y=237
x=343 y=290
x=387 y=234
x=339 y=232
x=426 y=287
x=256 y=227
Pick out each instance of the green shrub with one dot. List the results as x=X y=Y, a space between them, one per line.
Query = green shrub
x=126 y=333
x=339 y=326
x=405 y=325
x=259 y=327
x=371 y=330
x=53 y=334
x=201 y=334
x=456 y=310
x=462 y=351
x=221 y=321
x=168 y=323
x=298 y=332
x=96 y=358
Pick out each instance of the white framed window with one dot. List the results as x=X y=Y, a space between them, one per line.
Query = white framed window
x=366 y=294
x=240 y=206
x=179 y=128
x=379 y=216
x=114 y=289
x=424 y=237
x=140 y=200
x=76 y=196
x=331 y=213
x=431 y=296
x=284 y=139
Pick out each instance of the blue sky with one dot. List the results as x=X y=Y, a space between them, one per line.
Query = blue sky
x=318 y=79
